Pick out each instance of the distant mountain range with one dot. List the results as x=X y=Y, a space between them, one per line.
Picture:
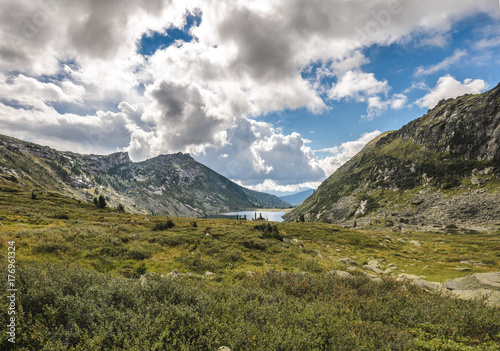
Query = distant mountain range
x=298 y=198
x=442 y=169
x=174 y=185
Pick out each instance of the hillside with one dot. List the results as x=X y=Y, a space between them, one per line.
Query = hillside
x=164 y=185
x=298 y=198
x=442 y=169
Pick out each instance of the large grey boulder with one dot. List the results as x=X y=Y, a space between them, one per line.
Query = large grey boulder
x=477 y=286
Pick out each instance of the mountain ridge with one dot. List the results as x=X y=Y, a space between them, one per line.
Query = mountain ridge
x=172 y=184
x=440 y=169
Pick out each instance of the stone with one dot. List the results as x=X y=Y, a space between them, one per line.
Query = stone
x=348 y=261
x=373 y=269
x=465 y=262
x=340 y=274
x=134 y=237
x=406 y=277
x=462 y=269
x=372 y=277
x=297 y=241
x=415 y=243
x=223 y=348
x=476 y=281
x=209 y=274
x=250 y=274
x=388 y=271
x=174 y=274
x=383 y=245
x=429 y=286
x=374 y=263
x=401 y=241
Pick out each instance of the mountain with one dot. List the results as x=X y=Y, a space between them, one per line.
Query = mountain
x=298 y=198
x=442 y=169
x=174 y=185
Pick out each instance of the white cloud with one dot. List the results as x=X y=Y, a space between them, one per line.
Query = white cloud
x=29 y=91
x=357 y=85
x=343 y=153
x=246 y=60
x=443 y=65
x=448 y=87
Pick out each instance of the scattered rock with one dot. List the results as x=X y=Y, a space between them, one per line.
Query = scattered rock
x=297 y=241
x=224 y=348
x=340 y=274
x=373 y=269
x=351 y=268
x=286 y=240
x=462 y=269
x=465 y=262
x=374 y=263
x=372 y=277
x=406 y=277
x=392 y=265
x=338 y=250
x=209 y=274
x=383 y=245
x=1 y=224
x=250 y=274
x=174 y=274
x=131 y=221
x=388 y=271
x=401 y=241
x=134 y=237
x=348 y=261
x=415 y=243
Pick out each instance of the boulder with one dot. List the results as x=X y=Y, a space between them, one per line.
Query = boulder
x=223 y=348
x=174 y=274
x=340 y=274
x=406 y=277
x=415 y=243
x=348 y=261
x=429 y=286
x=373 y=269
x=209 y=274
x=476 y=281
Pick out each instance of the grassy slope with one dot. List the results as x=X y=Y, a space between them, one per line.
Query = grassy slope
x=58 y=259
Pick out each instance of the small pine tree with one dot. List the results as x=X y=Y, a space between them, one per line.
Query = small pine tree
x=120 y=208
x=33 y=195
x=96 y=202
x=302 y=218
x=102 y=202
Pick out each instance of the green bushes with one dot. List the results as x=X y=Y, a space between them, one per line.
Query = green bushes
x=64 y=307
x=163 y=225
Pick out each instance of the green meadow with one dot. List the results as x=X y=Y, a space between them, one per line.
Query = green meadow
x=96 y=279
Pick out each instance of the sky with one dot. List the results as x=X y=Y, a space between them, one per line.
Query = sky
x=275 y=95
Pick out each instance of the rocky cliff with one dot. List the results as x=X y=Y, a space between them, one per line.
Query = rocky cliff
x=442 y=169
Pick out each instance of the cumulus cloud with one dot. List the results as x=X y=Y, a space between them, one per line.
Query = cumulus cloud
x=246 y=59
x=443 y=65
x=448 y=87
x=357 y=85
x=343 y=153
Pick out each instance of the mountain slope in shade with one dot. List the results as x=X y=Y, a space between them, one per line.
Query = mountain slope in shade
x=298 y=198
x=165 y=185
x=438 y=170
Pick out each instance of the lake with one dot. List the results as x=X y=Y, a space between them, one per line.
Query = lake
x=269 y=215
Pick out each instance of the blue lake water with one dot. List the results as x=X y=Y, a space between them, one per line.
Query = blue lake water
x=269 y=215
